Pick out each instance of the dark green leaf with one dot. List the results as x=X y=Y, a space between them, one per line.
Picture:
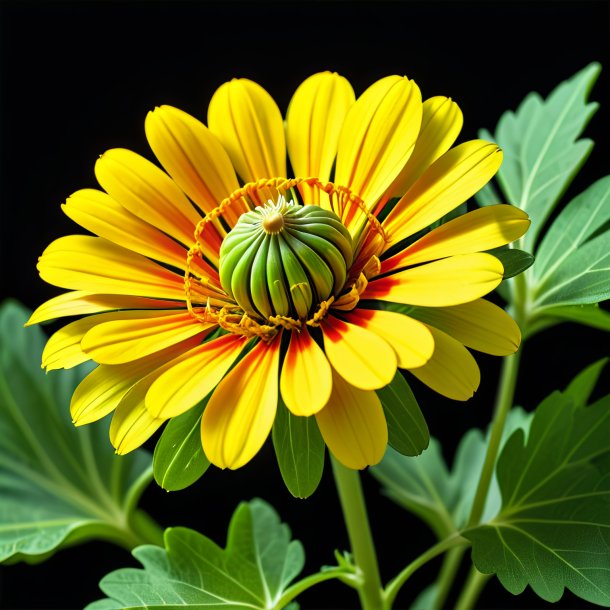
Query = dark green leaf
x=59 y=484
x=553 y=530
x=254 y=570
x=179 y=459
x=299 y=448
x=582 y=386
x=541 y=150
x=514 y=261
x=407 y=429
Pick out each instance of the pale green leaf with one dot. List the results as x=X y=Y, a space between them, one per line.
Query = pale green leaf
x=553 y=531
x=583 y=278
x=179 y=460
x=589 y=315
x=59 y=484
x=257 y=566
x=542 y=152
x=299 y=448
x=407 y=429
x=425 y=486
x=577 y=223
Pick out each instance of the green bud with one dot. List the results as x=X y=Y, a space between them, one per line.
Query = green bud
x=284 y=259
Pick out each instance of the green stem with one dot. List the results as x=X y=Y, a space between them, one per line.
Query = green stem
x=472 y=589
x=302 y=585
x=351 y=497
x=394 y=586
x=451 y=565
x=504 y=402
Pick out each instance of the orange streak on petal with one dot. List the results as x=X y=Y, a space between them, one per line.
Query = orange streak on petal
x=240 y=413
x=306 y=379
x=193 y=376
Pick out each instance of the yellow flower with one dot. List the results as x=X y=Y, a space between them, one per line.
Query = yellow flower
x=177 y=305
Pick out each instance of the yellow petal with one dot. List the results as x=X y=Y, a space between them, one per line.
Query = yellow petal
x=360 y=356
x=452 y=371
x=483 y=229
x=450 y=281
x=313 y=124
x=99 y=213
x=249 y=124
x=94 y=264
x=410 y=339
x=378 y=137
x=123 y=340
x=240 y=413
x=147 y=192
x=480 y=325
x=100 y=392
x=441 y=124
x=104 y=388
x=193 y=376
x=63 y=350
x=192 y=156
x=79 y=302
x=306 y=379
x=132 y=425
x=447 y=183
x=353 y=425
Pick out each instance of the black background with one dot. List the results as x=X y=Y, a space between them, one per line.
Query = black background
x=79 y=77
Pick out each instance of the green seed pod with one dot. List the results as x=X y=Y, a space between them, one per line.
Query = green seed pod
x=284 y=259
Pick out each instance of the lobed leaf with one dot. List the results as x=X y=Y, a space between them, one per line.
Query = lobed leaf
x=542 y=152
x=253 y=571
x=426 y=487
x=59 y=484
x=553 y=530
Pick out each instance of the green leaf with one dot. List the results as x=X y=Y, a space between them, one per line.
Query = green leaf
x=407 y=429
x=583 y=278
x=254 y=570
x=420 y=484
x=582 y=386
x=514 y=261
x=589 y=315
x=575 y=225
x=299 y=448
x=59 y=484
x=425 y=599
x=541 y=150
x=179 y=460
x=553 y=530
x=425 y=486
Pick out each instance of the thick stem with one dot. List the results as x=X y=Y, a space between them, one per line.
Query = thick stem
x=451 y=565
x=351 y=497
x=504 y=402
x=472 y=589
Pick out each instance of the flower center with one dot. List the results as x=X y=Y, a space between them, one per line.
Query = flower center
x=284 y=259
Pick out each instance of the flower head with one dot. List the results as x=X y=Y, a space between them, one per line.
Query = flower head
x=226 y=275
